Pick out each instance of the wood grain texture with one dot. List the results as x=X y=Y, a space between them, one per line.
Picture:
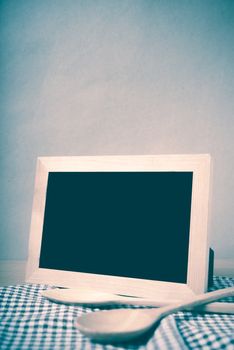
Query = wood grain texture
x=13 y=271
x=199 y=164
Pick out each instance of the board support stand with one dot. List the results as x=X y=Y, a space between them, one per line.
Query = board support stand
x=211 y=268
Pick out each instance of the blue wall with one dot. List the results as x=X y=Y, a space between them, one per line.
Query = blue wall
x=114 y=77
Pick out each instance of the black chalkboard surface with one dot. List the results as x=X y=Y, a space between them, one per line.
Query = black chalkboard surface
x=130 y=224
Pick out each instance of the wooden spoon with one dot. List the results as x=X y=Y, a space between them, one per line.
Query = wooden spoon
x=125 y=324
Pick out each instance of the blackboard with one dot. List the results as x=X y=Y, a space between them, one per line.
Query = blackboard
x=125 y=224
x=129 y=224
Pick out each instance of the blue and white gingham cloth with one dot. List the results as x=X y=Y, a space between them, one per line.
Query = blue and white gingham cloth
x=30 y=321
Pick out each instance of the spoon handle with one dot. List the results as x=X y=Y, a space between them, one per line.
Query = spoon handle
x=198 y=300
x=143 y=301
x=218 y=308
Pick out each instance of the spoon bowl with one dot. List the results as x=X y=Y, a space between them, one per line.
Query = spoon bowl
x=116 y=325
x=126 y=324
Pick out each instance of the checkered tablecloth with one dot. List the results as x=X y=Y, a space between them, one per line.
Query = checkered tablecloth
x=29 y=321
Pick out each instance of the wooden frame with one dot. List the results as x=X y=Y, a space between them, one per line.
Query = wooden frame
x=197 y=275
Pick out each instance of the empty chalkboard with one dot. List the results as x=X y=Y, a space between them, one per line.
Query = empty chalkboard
x=134 y=224
x=129 y=224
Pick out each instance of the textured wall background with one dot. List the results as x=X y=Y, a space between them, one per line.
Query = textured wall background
x=114 y=77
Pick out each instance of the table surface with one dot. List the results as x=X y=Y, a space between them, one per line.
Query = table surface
x=29 y=321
